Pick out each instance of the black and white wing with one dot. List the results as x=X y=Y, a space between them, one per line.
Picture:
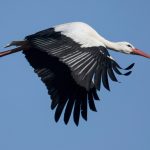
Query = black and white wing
x=71 y=73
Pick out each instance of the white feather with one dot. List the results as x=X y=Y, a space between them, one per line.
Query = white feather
x=81 y=33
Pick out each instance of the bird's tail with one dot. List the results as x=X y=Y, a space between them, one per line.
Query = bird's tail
x=19 y=44
x=16 y=43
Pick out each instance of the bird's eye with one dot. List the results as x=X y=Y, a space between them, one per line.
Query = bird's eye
x=129 y=45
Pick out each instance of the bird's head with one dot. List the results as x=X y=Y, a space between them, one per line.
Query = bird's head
x=126 y=47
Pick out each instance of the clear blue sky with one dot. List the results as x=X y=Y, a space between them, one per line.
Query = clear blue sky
x=123 y=118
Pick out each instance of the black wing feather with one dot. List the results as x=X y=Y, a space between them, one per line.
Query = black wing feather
x=105 y=79
x=59 y=109
x=112 y=75
x=68 y=110
x=130 y=66
x=97 y=77
x=76 y=113
x=84 y=107
x=95 y=94
x=91 y=101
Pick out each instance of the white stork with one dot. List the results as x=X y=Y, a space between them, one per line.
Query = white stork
x=72 y=60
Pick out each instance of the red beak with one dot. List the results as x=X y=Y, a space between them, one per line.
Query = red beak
x=139 y=52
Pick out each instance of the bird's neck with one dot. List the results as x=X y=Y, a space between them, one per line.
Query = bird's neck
x=112 y=45
x=109 y=44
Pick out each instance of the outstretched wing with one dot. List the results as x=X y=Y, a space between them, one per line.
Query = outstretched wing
x=71 y=73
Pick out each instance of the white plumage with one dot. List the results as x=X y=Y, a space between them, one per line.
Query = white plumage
x=81 y=33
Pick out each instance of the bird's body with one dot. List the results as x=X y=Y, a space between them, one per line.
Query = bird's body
x=72 y=60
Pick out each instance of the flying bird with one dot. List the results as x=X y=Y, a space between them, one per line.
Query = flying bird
x=72 y=60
